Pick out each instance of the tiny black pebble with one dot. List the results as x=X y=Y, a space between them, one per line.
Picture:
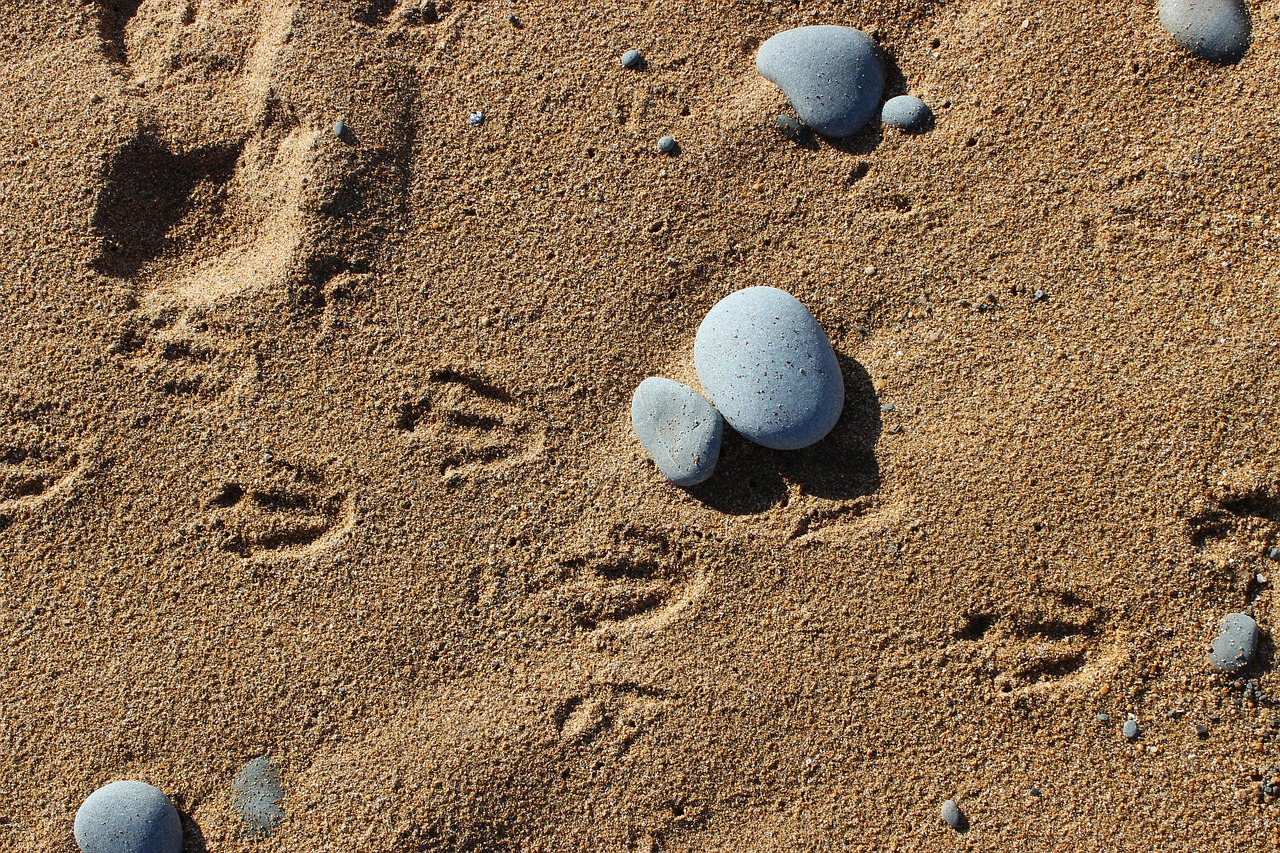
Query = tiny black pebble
x=1201 y=731
x=1035 y=792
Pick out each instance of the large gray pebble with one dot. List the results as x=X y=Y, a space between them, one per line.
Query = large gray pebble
x=1217 y=30
x=952 y=815
x=128 y=817
x=832 y=76
x=258 y=797
x=906 y=112
x=679 y=429
x=1235 y=644
x=768 y=367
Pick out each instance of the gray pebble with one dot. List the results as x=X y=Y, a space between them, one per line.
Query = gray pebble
x=339 y=129
x=1216 y=30
x=768 y=367
x=679 y=429
x=476 y=117
x=1235 y=644
x=631 y=59
x=831 y=75
x=792 y=129
x=128 y=817
x=906 y=112
x=667 y=145
x=1274 y=554
x=1130 y=730
x=258 y=797
x=952 y=815
x=1104 y=718
x=1201 y=731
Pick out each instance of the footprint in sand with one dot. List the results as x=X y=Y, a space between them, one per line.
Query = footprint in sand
x=290 y=511
x=469 y=425
x=32 y=472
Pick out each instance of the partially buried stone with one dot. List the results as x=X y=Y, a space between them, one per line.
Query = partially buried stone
x=258 y=797
x=1130 y=730
x=679 y=429
x=792 y=129
x=768 y=367
x=952 y=815
x=1235 y=644
x=1217 y=30
x=631 y=59
x=128 y=817
x=906 y=113
x=831 y=75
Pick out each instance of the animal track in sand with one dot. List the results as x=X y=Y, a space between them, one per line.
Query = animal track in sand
x=1241 y=519
x=295 y=512
x=470 y=425
x=1056 y=646
x=608 y=718
x=34 y=472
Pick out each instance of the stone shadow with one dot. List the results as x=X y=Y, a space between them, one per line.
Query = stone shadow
x=750 y=479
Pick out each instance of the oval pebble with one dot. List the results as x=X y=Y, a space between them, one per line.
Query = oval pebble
x=128 y=817
x=667 y=145
x=907 y=113
x=258 y=797
x=1216 y=30
x=832 y=76
x=768 y=367
x=952 y=815
x=1130 y=730
x=678 y=428
x=339 y=128
x=631 y=59
x=1237 y=640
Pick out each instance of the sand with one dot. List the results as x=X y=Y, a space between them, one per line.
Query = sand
x=318 y=449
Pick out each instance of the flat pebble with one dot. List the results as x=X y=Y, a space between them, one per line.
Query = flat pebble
x=1216 y=30
x=128 y=817
x=952 y=815
x=667 y=145
x=1130 y=730
x=631 y=59
x=768 y=367
x=1235 y=644
x=832 y=76
x=678 y=428
x=906 y=112
x=258 y=795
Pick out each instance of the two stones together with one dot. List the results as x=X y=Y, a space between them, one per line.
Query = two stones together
x=768 y=369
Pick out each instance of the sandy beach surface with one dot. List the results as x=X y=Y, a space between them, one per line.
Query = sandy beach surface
x=318 y=449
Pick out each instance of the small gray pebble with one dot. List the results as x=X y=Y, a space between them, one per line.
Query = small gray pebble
x=1274 y=554
x=258 y=795
x=1130 y=730
x=1104 y=718
x=339 y=129
x=888 y=407
x=1040 y=296
x=1035 y=792
x=907 y=113
x=128 y=817
x=678 y=428
x=832 y=76
x=1217 y=30
x=1235 y=644
x=769 y=368
x=631 y=59
x=476 y=117
x=952 y=815
x=667 y=145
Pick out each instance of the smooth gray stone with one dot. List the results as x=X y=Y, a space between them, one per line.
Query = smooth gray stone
x=258 y=797
x=631 y=59
x=768 y=367
x=128 y=817
x=906 y=112
x=1235 y=644
x=667 y=145
x=1217 y=30
x=832 y=76
x=1130 y=730
x=951 y=814
x=679 y=429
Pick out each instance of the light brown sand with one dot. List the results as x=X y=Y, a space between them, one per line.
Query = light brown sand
x=320 y=450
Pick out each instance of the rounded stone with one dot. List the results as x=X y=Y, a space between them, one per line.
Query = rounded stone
x=1130 y=730
x=1217 y=30
x=128 y=817
x=906 y=112
x=1236 y=643
x=667 y=145
x=768 y=367
x=631 y=59
x=952 y=815
x=339 y=128
x=678 y=428
x=832 y=76
x=258 y=795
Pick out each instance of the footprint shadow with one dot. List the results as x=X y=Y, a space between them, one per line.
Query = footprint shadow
x=751 y=479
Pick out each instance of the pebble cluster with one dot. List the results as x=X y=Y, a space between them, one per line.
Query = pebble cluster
x=768 y=369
